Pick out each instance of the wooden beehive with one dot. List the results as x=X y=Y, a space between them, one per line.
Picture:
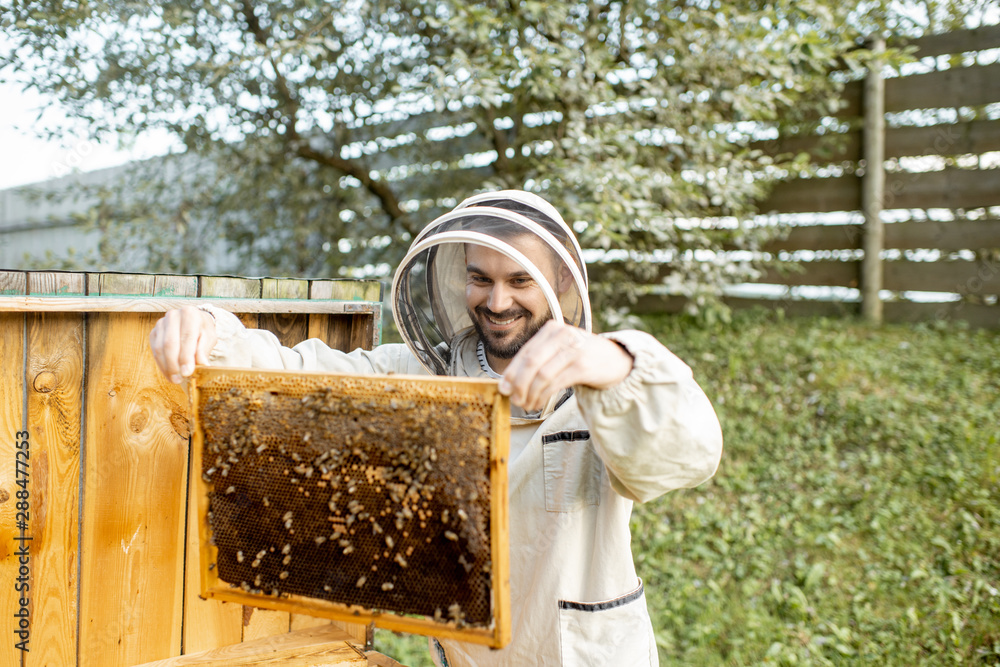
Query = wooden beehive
x=379 y=498
x=112 y=531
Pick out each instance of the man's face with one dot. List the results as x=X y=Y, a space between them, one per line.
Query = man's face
x=506 y=305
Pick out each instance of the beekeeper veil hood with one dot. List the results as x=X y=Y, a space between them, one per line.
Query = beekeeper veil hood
x=428 y=289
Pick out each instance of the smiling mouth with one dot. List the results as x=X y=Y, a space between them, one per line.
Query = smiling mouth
x=500 y=322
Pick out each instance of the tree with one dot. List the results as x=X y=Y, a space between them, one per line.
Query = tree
x=320 y=138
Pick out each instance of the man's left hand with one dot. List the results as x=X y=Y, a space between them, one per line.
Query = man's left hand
x=560 y=356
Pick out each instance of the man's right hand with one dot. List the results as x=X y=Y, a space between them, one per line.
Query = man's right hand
x=182 y=338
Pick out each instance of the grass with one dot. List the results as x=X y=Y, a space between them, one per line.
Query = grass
x=855 y=519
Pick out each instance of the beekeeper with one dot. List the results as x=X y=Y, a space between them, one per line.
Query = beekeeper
x=497 y=288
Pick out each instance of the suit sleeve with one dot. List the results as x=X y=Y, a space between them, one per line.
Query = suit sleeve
x=656 y=430
x=240 y=347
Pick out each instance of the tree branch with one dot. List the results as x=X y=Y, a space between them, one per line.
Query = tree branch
x=380 y=189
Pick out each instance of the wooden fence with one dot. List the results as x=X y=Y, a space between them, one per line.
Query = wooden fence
x=965 y=249
x=94 y=446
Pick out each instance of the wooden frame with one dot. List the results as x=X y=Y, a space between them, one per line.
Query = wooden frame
x=138 y=304
x=498 y=635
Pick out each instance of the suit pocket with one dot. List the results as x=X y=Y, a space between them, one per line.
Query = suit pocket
x=572 y=471
x=607 y=633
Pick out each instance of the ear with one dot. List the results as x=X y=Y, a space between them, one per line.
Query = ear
x=565 y=279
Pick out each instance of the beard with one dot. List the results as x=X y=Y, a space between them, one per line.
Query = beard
x=504 y=345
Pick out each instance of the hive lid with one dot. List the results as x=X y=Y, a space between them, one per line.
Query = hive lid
x=358 y=498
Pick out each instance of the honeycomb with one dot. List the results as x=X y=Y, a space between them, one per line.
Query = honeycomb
x=368 y=491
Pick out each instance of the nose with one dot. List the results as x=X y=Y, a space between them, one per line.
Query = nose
x=500 y=298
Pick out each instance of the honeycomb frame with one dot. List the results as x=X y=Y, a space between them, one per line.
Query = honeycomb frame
x=234 y=475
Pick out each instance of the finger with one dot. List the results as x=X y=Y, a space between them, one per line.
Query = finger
x=190 y=328
x=553 y=376
x=532 y=375
x=167 y=346
x=207 y=340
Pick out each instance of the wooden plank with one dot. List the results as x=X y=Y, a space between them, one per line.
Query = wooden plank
x=946 y=236
x=261 y=623
x=13 y=282
x=237 y=288
x=289 y=328
x=979 y=277
x=132 y=552
x=311 y=647
x=649 y=304
x=824 y=148
x=957 y=41
x=830 y=273
x=363 y=332
x=817 y=237
x=975 y=137
x=11 y=426
x=121 y=284
x=54 y=381
x=135 y=304
x=949 y=188
x=175 y=286
x=360 y=634
x=814 y=195
x=956 y=87
x=57 y=283
x=348 y=290
x=976 y=315
x=210 y=623
x=960 y=86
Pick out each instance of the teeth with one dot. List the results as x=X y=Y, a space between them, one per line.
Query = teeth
x=501 y=322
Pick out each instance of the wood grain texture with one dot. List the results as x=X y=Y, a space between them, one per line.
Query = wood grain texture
x=186 y=286
x=958 y=41
x=289 y=328
x=11 y=422
x=233 y=289
x=259 y=623
x=240 y=288
x=134 y=499
x=57 y=283
x=350 y=290
x=139 y=304
x=311 y=647
x=13 y=282
x=54 y=380
x=121 y=284
x=360 y=633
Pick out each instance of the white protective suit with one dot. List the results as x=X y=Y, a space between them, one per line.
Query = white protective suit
x=575 y=468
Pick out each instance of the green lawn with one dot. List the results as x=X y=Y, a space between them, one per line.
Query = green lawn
x=855 y=519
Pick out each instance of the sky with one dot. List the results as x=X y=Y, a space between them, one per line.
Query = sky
x=29 y=159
